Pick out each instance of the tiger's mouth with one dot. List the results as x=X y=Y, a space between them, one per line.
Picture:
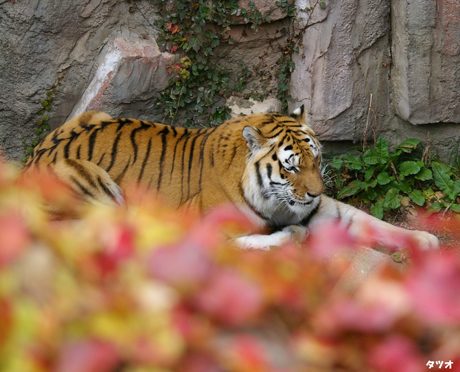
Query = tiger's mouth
x=293 y=202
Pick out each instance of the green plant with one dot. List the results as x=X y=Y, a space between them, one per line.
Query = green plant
x=195 y=28
x=382 y=178
x=42 y=126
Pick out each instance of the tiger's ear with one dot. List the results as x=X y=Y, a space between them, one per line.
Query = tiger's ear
x=299 y=114
x=253 y=138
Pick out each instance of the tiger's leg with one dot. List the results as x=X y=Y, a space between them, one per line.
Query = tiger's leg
x=264 y=242
x=358 y=221
x=88 y=180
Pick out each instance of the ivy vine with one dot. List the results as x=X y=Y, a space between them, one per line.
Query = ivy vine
x=42 y=126
x=195 y=28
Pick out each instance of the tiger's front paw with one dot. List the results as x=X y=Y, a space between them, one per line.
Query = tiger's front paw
x=296 y=232
x=426 y=240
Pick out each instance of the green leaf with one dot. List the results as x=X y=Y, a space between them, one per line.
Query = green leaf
x=372 y=157
x=44 y=103
x=48 y=108
x=436 y=206
x=377 y=209
x=322 y=5
x=368 y=174
x=383 y=178
x=392 y=199
x=442 y=179
x=353 y=162
x=417 y=197
x=30 y=149
x=337 y=163
x=409 y=145
x=352 y=189
x=382 y=149
x=424 y=174
x=455 y=208
x=404 y=186
x=407 y=168
x=45 y=118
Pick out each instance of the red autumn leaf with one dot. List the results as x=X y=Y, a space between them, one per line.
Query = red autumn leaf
x=182 y=264
x=351 y=315
x=119 y=248
x=396 y=354
x=199 y=362
x=14 y=236
x=208 y=232
x=174 y=48
x=434 y=286
x=247 y=353
x=230 y=298
x=328 y=239
x=88 y=356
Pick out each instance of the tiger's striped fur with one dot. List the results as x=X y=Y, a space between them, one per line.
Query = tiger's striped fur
x=268 y=165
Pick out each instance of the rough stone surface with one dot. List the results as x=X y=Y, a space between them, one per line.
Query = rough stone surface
x=426 y=57
x=329 y=80
x=42 y=39
x=130 y=74
x=241 y=106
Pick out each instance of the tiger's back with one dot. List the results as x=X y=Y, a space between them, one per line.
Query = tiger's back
x=199 y=167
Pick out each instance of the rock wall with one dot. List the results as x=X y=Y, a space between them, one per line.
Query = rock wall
x=403 y=53
x=106 y=47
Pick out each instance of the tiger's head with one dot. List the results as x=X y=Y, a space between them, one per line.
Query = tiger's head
x=282 y=181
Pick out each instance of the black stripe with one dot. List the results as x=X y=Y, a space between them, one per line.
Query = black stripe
x=186 y=133
x=114 y=152
x=92 y=142
x=143 y=126
x=145 y=160
x=269 y=171
x=164 y=133
x=203 y=144
x=276 y=134
x=190 y=162
x=282 y=140
x=307 y=218
x=259 y=176
x=101 y=159
x=81 y=170
x=122 y=174
x=81 y=187
x=105 y=188
x=134 y=143
x=67 y=148
x=182 y=169
x=78 y=152
x=174 y=130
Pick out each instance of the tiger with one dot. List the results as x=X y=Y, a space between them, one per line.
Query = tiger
x=268 y=165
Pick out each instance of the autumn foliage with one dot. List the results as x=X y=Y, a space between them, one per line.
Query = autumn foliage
x=145 y=288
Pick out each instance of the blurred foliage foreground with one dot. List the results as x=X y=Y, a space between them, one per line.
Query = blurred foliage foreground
x=145 y=289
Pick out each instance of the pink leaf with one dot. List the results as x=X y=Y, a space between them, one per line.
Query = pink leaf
x=88 y=356
x=434 y=286
x=328 y=239
x=230 y=298
x=14 y=237
x=182 y=264
x=396 y=354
